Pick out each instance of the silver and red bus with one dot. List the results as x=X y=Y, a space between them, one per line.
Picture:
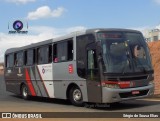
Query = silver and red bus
x=95 y=65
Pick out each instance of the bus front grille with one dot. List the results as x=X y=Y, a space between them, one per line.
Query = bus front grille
x=128 y=78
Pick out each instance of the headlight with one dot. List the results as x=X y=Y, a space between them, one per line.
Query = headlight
x=116 y=84
x=111 y=86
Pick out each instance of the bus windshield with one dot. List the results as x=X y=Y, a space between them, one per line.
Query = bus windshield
x=124 y=52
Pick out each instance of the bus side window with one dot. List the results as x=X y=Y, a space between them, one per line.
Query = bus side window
x=9 y=60
x=50 y=53
x=30 y=57
x=70 y=50
x=55 y=59
x=19 y=60
x=44 y=54
x=63 y=51
x=38 y=56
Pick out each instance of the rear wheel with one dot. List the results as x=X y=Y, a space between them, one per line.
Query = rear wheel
x=76 y=96
x=24 y=92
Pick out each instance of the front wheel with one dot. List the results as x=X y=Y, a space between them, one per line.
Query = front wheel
x=24 y=92
x=76 y=96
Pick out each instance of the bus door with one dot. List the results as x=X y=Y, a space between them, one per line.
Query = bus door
x=93 y=76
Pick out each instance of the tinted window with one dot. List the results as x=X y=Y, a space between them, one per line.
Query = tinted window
x=82 y=42
x=124 y=52
x=19 y=59
x=139 y=51
x=63 y=51
x=44 y=54
x=10 y=60
x=30 y=57
x=50 y=54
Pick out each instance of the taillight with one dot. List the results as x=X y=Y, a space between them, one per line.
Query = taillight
x=70 y=69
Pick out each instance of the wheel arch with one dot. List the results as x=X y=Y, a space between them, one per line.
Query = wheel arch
x=70 y=86
x=21 y=86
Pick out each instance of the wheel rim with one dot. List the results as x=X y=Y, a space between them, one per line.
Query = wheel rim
x=25 y=91
x=77 y=95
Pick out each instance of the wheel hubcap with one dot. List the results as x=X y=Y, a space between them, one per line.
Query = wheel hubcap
x=77 y=95
x=25 y=91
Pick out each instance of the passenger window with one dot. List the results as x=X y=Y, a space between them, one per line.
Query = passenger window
x=9 y=60
x=63 y=51
x=19 y=59
x=30 y=57
x=44 y=54
x=50 y=54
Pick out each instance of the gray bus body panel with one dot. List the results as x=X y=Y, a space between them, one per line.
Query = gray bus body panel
x=110 y=95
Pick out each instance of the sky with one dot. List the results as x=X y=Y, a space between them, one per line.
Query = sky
x=51 y=18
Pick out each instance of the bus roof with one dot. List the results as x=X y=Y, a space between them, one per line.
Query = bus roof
x=71 y=35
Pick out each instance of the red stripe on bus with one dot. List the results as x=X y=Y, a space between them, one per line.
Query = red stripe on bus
x=28 y=80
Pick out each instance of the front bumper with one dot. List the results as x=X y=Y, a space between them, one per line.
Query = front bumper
x=110 y=95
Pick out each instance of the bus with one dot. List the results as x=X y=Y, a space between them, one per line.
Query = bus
x=96 y=65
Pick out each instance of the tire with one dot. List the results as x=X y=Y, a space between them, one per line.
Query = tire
x=24 y=92
x=75 y=96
